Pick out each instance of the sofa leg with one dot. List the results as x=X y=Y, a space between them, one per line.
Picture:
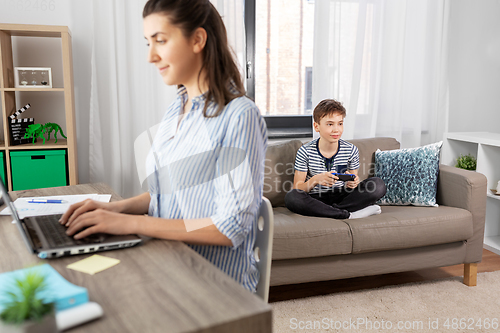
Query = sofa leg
x=470 y=274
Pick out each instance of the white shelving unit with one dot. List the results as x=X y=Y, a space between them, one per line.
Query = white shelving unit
x=485 y=147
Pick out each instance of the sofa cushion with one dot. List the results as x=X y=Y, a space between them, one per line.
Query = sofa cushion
x=410 y=175
x=297 y=236
x=279 y=170
x=402 y=227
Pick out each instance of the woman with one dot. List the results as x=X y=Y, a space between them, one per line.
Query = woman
x=206 y=161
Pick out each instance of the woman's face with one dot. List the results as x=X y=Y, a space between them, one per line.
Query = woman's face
x=175 y=56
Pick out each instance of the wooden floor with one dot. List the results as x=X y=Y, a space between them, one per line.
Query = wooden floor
x=490 y=263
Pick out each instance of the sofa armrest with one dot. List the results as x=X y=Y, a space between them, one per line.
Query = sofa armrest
x=465 y=189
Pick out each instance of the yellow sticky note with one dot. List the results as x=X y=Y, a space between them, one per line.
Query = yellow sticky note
x=93 y=264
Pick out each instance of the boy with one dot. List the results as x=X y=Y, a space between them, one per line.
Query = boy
x=316 y=191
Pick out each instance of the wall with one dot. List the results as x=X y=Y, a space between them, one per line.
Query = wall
x=76 y=15
x=474 y=65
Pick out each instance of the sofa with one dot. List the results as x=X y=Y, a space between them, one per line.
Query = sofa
x=401 y=238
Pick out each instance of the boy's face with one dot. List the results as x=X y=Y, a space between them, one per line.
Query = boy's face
x=330 y=127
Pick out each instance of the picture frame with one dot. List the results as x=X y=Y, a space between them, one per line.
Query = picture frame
x=32 y=77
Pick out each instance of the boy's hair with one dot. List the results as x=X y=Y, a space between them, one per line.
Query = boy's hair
x=327 y=107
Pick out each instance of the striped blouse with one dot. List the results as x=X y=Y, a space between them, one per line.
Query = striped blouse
x=212 y=167
x=309 y=159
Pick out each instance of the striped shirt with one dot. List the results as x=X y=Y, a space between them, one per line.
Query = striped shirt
x=310 y=160
x=212 y=167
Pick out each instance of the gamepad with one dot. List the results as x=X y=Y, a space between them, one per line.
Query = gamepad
x=345 y=177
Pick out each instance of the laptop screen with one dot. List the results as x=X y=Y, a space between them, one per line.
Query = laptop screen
x=13 y=212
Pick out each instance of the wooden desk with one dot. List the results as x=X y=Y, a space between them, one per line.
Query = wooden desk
x=160 y=286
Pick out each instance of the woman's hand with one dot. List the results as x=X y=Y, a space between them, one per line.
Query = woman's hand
x=75 y=210
x=102 y=221
x=93 y=215
x=353 y=183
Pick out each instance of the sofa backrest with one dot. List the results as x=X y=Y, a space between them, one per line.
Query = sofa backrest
x=367 y=148
x=280 y=159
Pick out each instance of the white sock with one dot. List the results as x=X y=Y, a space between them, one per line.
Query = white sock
x=367 y=211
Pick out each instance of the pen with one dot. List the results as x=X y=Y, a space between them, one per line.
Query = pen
x=46 y=201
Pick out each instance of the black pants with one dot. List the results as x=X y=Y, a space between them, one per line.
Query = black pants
x=336 y=203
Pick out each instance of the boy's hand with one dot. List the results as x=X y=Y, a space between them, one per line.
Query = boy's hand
x=326 y=179
x=353 y=183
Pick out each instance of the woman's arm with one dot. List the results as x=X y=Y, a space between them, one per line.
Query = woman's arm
x=136 y=205
x=236 y=196
x=127 y=217
x=206 y=233
x=105 y=221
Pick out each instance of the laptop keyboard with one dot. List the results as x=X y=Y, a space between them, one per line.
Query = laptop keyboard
x=55 y=232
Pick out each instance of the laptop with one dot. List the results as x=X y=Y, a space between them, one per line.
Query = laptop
x=46 y=237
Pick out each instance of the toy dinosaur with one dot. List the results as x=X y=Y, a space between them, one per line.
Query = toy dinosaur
x=35 y=131
x=38 y=131
x=54 y=127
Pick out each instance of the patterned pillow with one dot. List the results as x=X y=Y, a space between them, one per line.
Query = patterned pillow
x=410 y=175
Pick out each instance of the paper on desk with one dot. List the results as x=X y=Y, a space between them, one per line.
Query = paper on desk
x=93 y=264
x=24 y=208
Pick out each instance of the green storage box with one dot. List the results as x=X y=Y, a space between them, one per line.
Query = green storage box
x=2 y=167
x=38 y=169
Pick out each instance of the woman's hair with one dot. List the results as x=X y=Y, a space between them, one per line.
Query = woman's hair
x=222 y=73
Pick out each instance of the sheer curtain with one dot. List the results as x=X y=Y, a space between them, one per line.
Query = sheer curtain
x=128 y=95
x=232 y=12
x=386 y=60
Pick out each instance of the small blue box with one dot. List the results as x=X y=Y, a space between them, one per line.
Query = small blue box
x=65 y=294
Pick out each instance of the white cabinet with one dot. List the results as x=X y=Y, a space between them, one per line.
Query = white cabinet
x=485 y=147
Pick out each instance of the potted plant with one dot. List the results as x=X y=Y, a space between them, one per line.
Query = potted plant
x=467 y=162
x=25 y=309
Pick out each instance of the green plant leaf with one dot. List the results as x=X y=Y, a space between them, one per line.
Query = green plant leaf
x=467 y=162
x=25 y=303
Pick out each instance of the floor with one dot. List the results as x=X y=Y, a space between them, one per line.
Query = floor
x=490 y=263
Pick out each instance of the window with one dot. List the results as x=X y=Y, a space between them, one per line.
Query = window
x=283 y=49
x=374 y=56
x=279 y=63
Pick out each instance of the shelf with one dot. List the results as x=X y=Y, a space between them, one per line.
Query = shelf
x=487 y=138
x=49 y=99
x=32 y=30
x=49 y=144
x=491 y=195
x=485 y=146
x=32 y=89
x=492 y=244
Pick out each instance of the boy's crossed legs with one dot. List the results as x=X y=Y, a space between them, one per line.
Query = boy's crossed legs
x=338 y=203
